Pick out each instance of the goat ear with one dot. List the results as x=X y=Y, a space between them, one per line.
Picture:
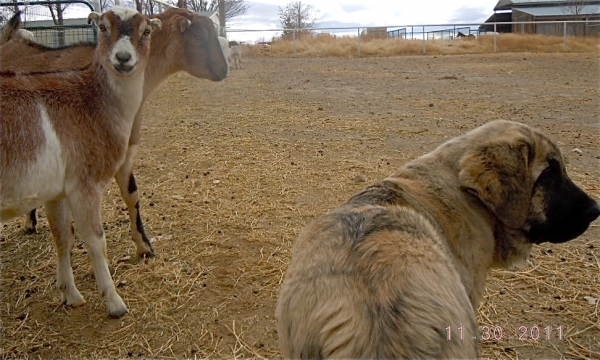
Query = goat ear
x=94 y=16
x=500 y=177
x=183 y=24
x=155 y=24
x=10 y=29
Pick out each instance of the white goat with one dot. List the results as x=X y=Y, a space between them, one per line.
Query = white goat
x=226 y=50
x=26 y=34
x=187 y=42
x=235 y=54
x=65 y=134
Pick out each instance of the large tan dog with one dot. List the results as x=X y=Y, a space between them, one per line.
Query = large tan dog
x=384 y=275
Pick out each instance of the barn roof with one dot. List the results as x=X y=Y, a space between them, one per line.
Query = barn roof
x=509 y=4
x=497 y=18
x=557 y=10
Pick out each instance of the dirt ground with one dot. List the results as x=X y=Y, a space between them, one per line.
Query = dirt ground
x=230 y=172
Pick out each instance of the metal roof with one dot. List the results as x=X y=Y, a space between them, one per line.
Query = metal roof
x=557 y=10
x=509 y=4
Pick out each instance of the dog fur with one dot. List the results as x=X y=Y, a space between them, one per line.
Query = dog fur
x=385 y=274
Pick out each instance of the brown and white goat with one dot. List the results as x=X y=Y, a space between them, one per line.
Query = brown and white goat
x=64 y=136
x=187 y=42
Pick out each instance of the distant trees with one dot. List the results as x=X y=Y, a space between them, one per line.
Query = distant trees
x=228 y=9
x=232 y=8
x=296 y=15
x=574 y=7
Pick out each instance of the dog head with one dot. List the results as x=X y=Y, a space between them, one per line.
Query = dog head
x=519 y=175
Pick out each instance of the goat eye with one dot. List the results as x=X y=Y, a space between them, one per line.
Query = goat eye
x=102 y=28
x=147 y=32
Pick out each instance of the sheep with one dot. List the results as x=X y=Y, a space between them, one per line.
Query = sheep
x=236 y=53
x=65 y=134
x=187 y=42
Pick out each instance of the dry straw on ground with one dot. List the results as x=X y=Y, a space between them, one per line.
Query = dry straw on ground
x=348 y=46
x=230 y=172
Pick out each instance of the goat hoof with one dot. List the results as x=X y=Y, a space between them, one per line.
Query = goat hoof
x=74 y=300
x=115 y=314
x=147 y=254
x=30 y=231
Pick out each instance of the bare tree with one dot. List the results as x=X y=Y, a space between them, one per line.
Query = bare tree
x=57 y=11
x=138 y=6
x=222 y=17
x=296 y=15
x=106 y=4
x=6 y=12
x=574 y=7
x=233 y=8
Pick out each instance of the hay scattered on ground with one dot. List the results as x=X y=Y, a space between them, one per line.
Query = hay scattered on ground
x=230 y=172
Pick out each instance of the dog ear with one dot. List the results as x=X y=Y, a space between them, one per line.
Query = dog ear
x=500 y=177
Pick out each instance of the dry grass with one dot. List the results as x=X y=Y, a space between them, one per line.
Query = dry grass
x=347 y=46
x=230 y=172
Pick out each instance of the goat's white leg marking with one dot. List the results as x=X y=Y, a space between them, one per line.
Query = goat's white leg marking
x=129 y=193
x=86 y=213
x=62 y=232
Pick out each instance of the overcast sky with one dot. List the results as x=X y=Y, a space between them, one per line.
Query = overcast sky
x=357 y=13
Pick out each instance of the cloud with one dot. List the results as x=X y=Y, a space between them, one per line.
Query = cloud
x=469 y=14
x=352 y=8
x=338 y=24
x=258 y=13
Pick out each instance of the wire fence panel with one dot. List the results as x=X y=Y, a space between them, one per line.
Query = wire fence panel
x=397 y=34
x=53 y=23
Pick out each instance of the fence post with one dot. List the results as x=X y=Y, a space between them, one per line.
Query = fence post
x=358 y=42
x=424 y=46
x=294 y=37
x=565 y=36
x=495 y=39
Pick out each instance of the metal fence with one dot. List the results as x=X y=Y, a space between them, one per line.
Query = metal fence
x=53 y=23
x=448 y=34
x=41 y=18
x=427 y=33
x=397 y=33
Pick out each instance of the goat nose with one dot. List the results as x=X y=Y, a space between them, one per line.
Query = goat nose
x=123 y=56
x=593 y=212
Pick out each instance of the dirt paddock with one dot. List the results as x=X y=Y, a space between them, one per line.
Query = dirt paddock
x=230 y=172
